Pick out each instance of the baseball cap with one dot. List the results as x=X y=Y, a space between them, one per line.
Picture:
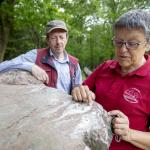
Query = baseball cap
x=56 y=24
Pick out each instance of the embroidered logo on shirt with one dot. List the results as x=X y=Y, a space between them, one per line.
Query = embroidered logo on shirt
x=132 y=95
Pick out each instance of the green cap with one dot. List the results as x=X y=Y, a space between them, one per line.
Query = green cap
x=56 y=24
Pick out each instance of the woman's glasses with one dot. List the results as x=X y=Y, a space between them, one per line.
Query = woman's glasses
x=129 y=44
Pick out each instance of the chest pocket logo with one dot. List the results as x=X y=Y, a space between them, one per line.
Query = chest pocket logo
x=132 y=95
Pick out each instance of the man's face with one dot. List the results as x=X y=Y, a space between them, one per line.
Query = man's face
x=57 y=40
x=130 y=55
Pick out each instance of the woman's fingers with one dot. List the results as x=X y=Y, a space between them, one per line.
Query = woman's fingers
x=120 y=123
x=82 y=94
x=117 y=113
x=76 y=93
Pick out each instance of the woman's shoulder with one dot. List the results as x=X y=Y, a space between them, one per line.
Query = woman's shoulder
x=107 y=64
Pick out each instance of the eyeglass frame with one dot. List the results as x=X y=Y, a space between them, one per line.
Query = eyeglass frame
x=127 y=45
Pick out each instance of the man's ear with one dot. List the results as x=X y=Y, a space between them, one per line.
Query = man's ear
x=46 y=39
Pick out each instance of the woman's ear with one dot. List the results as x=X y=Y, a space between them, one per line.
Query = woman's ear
x=148 y=47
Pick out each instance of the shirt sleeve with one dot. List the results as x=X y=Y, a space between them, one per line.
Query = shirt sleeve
x=90 y=81
x=78 y=77
x=148 y=108
x=24 y=62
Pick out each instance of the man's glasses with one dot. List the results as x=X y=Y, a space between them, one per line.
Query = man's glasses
x=129 y=44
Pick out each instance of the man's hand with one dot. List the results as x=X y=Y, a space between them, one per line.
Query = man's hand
x=82 y=94
x=40 y=74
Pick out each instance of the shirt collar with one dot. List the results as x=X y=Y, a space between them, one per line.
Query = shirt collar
x=142 y=71
x=66 y=58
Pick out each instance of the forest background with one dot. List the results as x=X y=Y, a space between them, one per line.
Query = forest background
x=22 y=26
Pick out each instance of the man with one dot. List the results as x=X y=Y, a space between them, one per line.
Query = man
x=52 y=65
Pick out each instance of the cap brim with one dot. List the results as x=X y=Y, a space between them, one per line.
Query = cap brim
x=57 y=28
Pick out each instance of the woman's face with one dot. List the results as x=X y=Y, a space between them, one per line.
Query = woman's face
x=130 y=47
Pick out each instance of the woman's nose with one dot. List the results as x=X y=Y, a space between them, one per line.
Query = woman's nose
x=123 y=48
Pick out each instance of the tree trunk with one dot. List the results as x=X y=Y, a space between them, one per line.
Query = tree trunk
x=6 y=20
x=4 y=35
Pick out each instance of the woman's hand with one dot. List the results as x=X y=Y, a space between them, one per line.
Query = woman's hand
x=82 y=94
x=121 y=124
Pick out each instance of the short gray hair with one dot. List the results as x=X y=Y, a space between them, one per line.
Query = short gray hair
x=135 y=19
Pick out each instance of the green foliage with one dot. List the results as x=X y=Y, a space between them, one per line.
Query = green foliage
x=89 y=22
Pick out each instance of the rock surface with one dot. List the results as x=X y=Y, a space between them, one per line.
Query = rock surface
x=36 y=117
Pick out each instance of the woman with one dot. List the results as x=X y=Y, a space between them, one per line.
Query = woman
x=121 y=86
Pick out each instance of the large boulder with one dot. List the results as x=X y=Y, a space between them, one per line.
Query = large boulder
x=36 y=117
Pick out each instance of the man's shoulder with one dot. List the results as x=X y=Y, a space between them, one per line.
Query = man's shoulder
x=73 y=59
x=42 y=50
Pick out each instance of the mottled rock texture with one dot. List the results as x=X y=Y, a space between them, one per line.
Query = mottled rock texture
x=36 y=117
